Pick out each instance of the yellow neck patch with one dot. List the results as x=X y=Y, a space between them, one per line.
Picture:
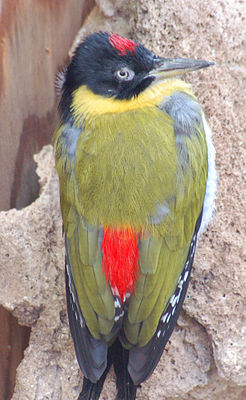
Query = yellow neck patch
x=86 y=104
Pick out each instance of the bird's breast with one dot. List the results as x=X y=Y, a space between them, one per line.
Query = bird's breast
x=125 y=167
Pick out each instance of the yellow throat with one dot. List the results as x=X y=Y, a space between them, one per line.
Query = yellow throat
x=86 y=104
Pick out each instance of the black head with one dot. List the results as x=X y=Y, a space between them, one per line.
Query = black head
x=110 y=66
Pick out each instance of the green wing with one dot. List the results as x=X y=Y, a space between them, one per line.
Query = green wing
x=90 y=303
x=83 y=243
x=143 y=360
x=166 y=259
x=164 y=254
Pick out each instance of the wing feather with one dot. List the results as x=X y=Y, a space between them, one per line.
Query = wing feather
x=94 y=294
x=157 y=312
x=143 y=360
x=91 y=353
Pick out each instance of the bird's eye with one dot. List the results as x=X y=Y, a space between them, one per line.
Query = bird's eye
x=124 y=74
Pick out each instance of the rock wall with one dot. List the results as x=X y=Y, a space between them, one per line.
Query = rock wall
x=206 y=356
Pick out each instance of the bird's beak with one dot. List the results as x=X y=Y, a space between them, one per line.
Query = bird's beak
x=168 y=67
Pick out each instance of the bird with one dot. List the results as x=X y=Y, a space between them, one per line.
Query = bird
x=136 y=165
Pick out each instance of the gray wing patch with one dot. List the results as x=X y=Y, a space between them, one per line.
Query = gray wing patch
x=70 y=136
x=185 y=112
x=162 y=210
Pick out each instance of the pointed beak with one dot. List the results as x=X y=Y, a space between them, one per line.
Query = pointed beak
x=168 y=67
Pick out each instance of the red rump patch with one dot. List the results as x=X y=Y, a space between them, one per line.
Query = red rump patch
x=120 y=260
x=122 y=44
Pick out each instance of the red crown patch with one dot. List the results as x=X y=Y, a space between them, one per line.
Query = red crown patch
x=122 y=44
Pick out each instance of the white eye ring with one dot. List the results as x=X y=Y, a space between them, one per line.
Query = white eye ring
x=124 y=74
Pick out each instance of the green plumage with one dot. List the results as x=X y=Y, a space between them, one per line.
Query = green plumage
x=131 y=169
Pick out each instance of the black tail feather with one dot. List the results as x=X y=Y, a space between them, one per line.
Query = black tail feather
x=118 y=356
x=92 y=391
x=125 y=386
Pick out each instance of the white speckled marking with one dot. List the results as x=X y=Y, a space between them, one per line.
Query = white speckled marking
x=164 y=318
x=168 y=317
x=117 y=303
x=186 y=275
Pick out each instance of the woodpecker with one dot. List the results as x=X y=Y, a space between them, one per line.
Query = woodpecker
x=136 y=166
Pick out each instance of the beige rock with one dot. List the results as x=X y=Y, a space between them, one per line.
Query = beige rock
x=206 y=356
x=106 y=16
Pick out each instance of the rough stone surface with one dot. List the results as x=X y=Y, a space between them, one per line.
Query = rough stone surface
x=106 y=16
x=206 y=356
